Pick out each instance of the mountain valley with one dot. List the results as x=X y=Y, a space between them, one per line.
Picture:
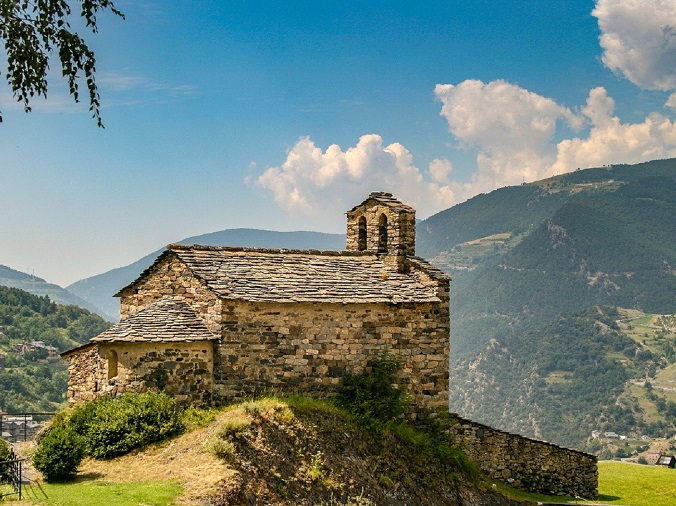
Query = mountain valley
x=560 y=300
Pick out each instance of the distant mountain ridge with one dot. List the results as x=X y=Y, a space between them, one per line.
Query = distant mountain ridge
x=100 y=289
x=38 y=286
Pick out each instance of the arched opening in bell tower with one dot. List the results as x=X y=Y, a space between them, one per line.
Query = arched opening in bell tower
x=361 y=237
x=382 y=233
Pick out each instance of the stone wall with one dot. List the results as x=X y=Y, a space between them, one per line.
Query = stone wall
x=170 y=276
x=527 y=464
x=182 y=370
x=86 y=373
x=308 y=347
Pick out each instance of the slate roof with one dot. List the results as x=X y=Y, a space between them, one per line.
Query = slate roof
x=268 y=275
x=386 y=199
x=169 y=319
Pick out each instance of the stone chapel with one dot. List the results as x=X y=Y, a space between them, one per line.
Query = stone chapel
x=210 y=324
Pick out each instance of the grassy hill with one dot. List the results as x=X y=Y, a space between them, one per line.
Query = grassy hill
x=291 y=451
x=302 y=451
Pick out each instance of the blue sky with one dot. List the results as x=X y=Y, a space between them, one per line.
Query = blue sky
x=282 y=115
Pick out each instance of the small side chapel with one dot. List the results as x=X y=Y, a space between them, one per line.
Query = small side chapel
x=210 y=324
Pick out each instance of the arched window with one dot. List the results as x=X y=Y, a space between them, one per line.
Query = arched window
x=112 y=364
x=382 y=234
x=361 y=238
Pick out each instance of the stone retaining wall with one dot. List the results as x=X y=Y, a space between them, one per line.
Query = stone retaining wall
x=527 y=464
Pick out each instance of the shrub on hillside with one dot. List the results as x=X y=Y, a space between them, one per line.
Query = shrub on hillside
x=377 y=395
x=4 y=457
x=59 y=454
x=113 y=427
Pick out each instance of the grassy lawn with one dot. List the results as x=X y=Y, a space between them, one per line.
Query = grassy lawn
x=88 y=490
x=636 y=485
x=623 y=485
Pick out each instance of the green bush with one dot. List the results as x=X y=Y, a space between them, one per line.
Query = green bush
x=104 y=428
x=113 y=427
x=378 y=395
x=4 y=457
x=59 y=454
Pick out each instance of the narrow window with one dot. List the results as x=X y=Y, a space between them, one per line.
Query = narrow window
x=361 y=238
x=382 y=234
x=112 y=364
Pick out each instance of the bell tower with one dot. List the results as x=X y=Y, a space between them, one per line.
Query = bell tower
x=383 y=225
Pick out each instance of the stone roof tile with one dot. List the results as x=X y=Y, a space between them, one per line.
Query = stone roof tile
x=169 y=319
x=266 y=275
x=387 y=199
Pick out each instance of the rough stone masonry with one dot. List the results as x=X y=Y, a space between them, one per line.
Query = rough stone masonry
x=214 y=324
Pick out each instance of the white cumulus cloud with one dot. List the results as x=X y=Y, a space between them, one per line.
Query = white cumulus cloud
x=671 y=101
x=440 y=169
x=611 y=141
x=510 y=127
x=515 y=134
x=638 y=38
x=326 y=183
x=512 y=131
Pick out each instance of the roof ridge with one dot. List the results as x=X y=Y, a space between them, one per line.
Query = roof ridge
x=276 y=251
x=385 y=198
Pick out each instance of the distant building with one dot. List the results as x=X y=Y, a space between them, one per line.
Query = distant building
x=653 y=457
x=667 y=461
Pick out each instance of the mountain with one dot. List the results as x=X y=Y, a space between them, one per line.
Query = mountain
x=38 y=286
x=543 y=276
x=99 y=290
x=551 y=282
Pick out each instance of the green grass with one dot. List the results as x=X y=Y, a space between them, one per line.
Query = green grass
x=636 y=485
x=620 y=484
x=88 y=491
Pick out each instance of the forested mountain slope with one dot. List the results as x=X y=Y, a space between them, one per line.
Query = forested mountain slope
x=38 y=286
x=540 y=271
x=32 y=375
